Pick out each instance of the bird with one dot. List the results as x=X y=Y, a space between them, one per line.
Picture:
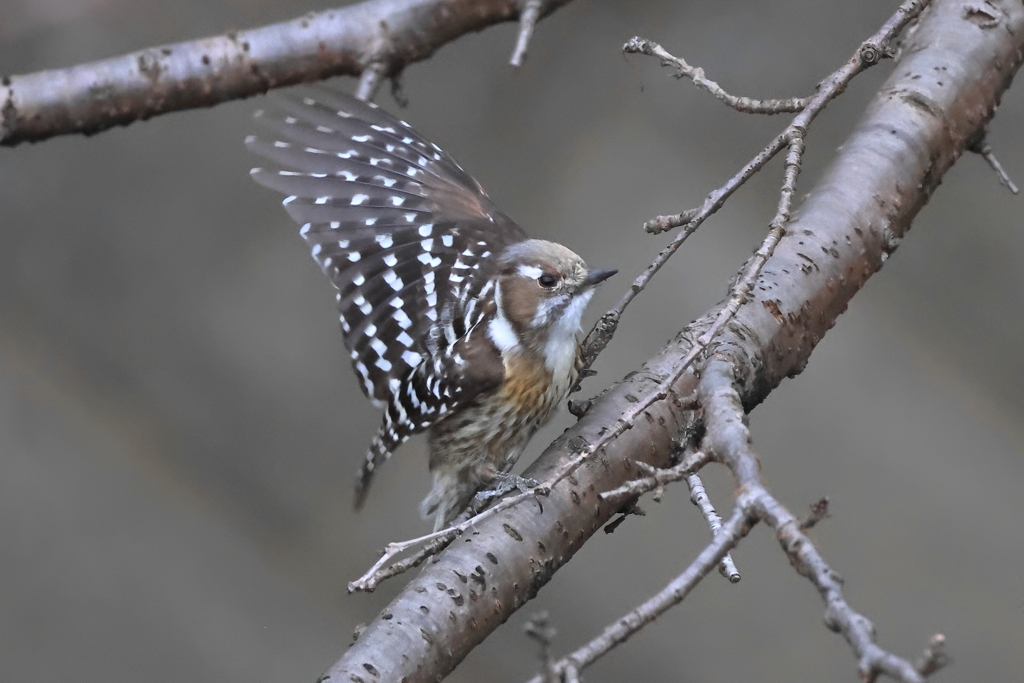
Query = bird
x=457 y=323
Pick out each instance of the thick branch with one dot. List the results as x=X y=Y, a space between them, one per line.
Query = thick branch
x=389 y=34
x=944 y=89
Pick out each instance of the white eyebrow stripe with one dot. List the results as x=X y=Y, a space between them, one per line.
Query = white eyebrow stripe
x=532 y=272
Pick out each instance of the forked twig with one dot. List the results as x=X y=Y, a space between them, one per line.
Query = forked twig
x=729 y=439
x=747 y=105
x=656 y=479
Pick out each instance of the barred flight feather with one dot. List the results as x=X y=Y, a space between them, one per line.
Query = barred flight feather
x=406 y=236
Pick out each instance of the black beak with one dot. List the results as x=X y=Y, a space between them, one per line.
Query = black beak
x=596 y=277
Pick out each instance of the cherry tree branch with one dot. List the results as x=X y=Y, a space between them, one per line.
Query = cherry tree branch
x=380 y=37
x=912 y=132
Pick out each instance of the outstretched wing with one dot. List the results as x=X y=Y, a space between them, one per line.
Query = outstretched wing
x=400 y=228
x=406 y=236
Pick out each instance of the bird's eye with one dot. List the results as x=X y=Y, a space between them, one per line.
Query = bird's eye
x=547 y=280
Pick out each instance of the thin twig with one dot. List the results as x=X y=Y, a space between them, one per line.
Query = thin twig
x=654 y=480
x=370 y=81
x=699 y=497
x=527 y=21
x=603 y=331
x=819 y=511
x=981 y=147
x=747 y=105
x=728 y=437
x=628 y=624
x=934 y=657
x=539 y=629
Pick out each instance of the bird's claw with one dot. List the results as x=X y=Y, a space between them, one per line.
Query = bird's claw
x=504 y=482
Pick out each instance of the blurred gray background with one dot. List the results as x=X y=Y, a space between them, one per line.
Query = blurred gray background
x=179 y=424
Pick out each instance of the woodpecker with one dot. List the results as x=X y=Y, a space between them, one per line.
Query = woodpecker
x=457 y=323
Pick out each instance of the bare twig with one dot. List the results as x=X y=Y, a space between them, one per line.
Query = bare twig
x=699 y=497
x=382 y=570
x=728 y=437
x=934 y=657
x=819 y=511
x=747 y=105
x=370 y=81
x=628 y=624
x=654 y=480
x=741 y=290
x=89 y=98
x=981 y=147
x=543 y=633
x=527 y=22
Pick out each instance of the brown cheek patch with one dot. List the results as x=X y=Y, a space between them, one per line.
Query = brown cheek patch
x=519 y=299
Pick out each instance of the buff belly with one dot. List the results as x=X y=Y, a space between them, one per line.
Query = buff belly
x=470 y=448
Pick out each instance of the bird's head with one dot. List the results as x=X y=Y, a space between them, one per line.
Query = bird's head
x=542 y=291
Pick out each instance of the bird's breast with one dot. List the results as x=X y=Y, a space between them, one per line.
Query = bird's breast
x=532 y=387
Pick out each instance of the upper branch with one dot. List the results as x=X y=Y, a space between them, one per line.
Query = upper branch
x=388 y=34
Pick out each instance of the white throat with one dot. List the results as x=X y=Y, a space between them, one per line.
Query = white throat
x=560 y=349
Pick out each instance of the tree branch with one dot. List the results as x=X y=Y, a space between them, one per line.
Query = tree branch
x=388 y=34
x=747 y=105
x=944 y=89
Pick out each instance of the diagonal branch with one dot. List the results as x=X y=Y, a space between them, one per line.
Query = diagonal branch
x=388 y=34
x=912 y=132
x=729 y=438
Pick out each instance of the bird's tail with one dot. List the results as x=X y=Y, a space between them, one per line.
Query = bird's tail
x=379 y=451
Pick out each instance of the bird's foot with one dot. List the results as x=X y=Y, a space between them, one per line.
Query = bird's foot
x=504 y=482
